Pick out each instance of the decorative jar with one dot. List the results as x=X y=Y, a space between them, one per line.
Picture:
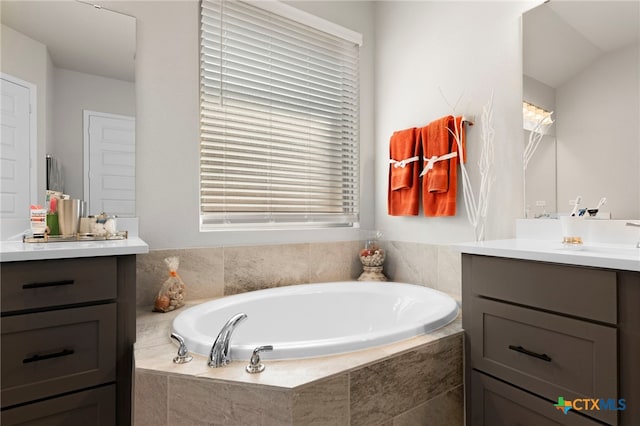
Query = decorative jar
x=372 y=257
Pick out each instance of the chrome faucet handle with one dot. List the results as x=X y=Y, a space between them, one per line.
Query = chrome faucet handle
x=183 y=354
x=255 y=366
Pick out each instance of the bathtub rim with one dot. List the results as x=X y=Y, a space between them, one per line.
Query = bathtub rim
x=154 y=352
x=326 y=347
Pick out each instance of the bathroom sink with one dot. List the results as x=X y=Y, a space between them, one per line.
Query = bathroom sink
x=619 y=251
x=606 y=251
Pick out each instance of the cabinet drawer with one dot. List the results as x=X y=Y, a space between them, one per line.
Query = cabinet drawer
x=570 y=290
x=495 y=403
x=46 y=283
x=91 y=407
x=48 y=353
x=547 y=354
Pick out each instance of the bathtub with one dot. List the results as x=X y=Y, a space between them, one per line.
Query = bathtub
x=312 y=320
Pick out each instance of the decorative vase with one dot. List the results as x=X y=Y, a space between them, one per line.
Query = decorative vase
x=372 y=257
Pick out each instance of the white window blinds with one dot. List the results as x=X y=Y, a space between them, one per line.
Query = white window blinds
x=278 y=121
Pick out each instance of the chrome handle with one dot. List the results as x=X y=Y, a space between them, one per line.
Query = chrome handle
x=255 y=366
x=183 y=354
x=637 y=225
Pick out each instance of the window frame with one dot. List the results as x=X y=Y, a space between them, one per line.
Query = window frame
x=302 y=222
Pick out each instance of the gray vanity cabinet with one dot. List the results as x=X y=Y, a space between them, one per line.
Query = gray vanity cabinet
x=538 y=331
x=68 y=328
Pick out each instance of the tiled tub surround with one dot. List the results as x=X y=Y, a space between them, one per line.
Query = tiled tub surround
x=216 y=272
x=415 y=381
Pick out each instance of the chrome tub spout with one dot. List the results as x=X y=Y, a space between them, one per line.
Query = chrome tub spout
x=219 y=355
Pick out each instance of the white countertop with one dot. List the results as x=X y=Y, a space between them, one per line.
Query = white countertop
x=610 y=256
x=15 y=251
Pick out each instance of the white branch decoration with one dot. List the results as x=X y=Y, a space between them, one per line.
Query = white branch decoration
x=477 y=209
x=535 y=137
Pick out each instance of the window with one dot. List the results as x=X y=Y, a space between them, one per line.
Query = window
x=278 y=119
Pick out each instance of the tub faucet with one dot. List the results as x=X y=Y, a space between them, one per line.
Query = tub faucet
x=636 y=225
x=219 y=355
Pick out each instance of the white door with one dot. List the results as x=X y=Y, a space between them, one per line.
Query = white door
x=110 y=159
x=17 y=142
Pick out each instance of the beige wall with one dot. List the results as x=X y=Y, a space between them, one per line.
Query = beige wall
x=222 y=271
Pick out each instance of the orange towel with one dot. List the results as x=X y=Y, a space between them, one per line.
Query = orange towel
x=438 y=143
x=402 y=147
x=439 y=198
x=404 y=189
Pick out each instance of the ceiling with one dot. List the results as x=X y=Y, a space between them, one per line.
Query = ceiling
x=79 y=36
x=560 y=38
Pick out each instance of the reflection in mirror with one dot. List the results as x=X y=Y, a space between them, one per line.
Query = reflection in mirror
x=80 y=58
x=581 y=61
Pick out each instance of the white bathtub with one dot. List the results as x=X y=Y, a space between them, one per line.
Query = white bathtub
x=312 y=320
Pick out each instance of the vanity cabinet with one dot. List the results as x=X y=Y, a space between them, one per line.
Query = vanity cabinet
x=537 y=331
x=68 y=328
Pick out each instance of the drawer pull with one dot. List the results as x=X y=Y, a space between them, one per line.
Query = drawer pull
x=38 y=357
x=47 y=284
x=522 y=350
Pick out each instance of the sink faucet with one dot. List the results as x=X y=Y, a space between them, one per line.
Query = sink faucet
x=219 y=355
x=636 y=225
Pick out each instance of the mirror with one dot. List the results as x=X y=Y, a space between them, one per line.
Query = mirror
x=80 y=58
x=581 y=61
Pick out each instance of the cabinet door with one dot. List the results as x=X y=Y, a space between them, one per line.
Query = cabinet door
x=547 y=354
x=49 y=353
x=495 y=403
x=94 y=407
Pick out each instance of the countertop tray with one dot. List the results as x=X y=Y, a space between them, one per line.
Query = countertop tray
x=120 y=235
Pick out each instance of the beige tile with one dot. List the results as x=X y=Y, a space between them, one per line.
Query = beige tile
x=150 y=274
x=150 y=399
x=334 y=261
x=159 y=360
x=259 y=267
x=429 y=261
x=323 y=403
x=412 y=263
x=383 y=390
x=203 y=401
x=449 y=270
x=399 y=264
x=444 y=410
x=154 y=328
x=201 y=269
